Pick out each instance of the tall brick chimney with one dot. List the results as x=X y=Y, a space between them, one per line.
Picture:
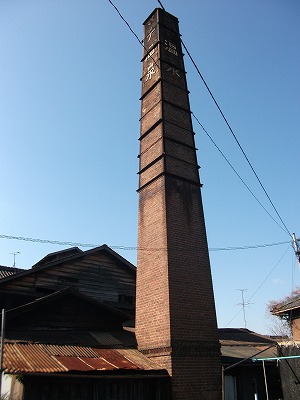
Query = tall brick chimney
x=175 y=312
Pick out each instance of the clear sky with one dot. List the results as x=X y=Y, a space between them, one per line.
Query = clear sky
x=69 y=126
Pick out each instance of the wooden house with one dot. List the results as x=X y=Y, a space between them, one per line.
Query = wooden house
x=70 y=335
x=100 y=273
x=65 y=335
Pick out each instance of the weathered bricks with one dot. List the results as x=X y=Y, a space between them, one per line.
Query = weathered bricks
x=175 y=312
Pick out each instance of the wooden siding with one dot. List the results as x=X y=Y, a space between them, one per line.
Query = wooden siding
x=66 y=312
x=98 y=275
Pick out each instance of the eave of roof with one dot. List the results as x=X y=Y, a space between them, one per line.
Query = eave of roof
x=290 y=303
x=286 y=307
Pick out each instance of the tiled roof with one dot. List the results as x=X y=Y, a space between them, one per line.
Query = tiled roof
x=22 y=358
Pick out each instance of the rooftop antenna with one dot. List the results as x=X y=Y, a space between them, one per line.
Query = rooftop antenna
x=244 y=304
x=296 y=248
x=15 y=253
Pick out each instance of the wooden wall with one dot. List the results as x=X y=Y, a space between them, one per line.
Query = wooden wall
x=98 y=275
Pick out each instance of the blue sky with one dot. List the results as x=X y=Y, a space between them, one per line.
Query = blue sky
x=69 y=126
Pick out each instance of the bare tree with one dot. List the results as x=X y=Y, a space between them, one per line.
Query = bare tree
x=280 y=323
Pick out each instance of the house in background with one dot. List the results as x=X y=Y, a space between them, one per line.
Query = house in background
x=100 y=273
x=244 y=379
x=289 y=350
x=70 y=335
x=65 y=336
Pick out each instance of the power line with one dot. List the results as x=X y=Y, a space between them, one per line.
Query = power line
x=235 y=171
x=132 y=31
x=273 y=269
x=78 y=244
x=121 y=16
x=225 y=119
x=160 y=3
x=233 y=134
x=276 y=265
x=248 y=247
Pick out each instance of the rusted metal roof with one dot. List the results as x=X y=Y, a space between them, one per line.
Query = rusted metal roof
x=23 y=358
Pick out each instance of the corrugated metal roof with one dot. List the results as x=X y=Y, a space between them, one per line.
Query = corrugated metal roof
x=41 y=358
x=24 y=358
x=68 y=351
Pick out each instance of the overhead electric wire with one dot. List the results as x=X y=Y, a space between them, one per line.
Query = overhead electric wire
x=248 y=247
x=121 y=16
x=48 y=241
x=132 y=31
x=239 y=145
x=253 y=294
x=250 y=298
x=284 y=227
x=236 y=139
x=229 y=163
x=232 y=132
x=160 y=3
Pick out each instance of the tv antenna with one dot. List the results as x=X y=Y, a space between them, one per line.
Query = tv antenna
x=15 y=254
x=244 y=304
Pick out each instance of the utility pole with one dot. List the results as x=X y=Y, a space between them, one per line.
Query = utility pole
x=296 y=248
